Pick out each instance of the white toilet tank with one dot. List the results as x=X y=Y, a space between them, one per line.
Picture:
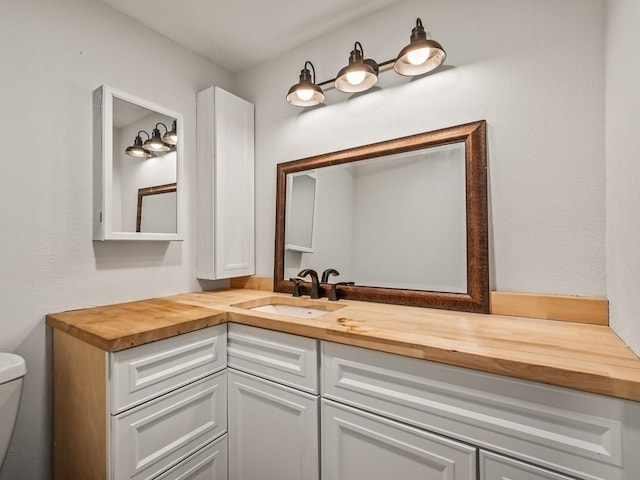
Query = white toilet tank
x=12 y=371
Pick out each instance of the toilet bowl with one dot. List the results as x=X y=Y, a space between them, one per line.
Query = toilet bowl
x=12 y=371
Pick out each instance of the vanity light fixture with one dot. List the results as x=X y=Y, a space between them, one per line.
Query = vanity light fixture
x=171 y=137
x=359 y=75
x=306 y=93
x=137 y=150
x=421 y=55
x=155 y=143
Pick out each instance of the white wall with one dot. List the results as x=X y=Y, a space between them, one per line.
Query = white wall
x=531 y=68
x=54 y=53
x=623 y=168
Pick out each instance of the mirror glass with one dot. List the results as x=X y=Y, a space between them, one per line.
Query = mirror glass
x=126 y=124
x=406 y=220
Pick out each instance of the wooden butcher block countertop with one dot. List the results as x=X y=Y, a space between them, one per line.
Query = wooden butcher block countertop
x=581 y=356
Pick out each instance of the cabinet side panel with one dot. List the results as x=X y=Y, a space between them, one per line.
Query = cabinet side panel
x=205 y=181
x=79 y=409
x=98 y=199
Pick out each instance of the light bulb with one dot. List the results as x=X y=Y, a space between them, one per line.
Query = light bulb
x=418 y=56
x=355 y=78
x=304 y=94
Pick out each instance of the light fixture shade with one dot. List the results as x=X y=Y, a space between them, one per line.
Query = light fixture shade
x=136 y=150
x=359 y=75
x=155 y=143
x=171 y=137
x=305 y=93
x=421 y=55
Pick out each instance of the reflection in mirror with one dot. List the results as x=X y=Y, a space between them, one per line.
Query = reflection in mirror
x=137 y=144
x=132 y=173
x=406 y=220
x=396 y=221
x=301 y=195
x=157 y=209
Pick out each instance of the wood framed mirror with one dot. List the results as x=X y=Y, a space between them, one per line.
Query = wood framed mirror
x=405 y=219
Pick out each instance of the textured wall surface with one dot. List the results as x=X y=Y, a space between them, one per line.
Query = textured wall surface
x=544 y=108
x=623 y=169
x=54 y=54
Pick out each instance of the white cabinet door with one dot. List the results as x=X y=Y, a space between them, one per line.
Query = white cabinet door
x=273 y=431
x=357 y=445
x=155 y=436
x=210 y=463
x=225 y=168
x=497 y=467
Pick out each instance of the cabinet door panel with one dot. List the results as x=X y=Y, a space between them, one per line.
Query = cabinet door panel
x=273 y=431
x=159 y=434
x=281 y=357
x=497 y=467
x=148 y=371
x=210 y=463
x=358 y=445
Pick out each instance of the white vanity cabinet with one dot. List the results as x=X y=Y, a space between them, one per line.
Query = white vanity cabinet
x=143 y=412
x=225 y=167
x=552 y=431
x=273 y=405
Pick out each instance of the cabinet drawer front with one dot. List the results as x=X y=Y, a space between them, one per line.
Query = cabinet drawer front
x=497 y=467
x=145 y=372
x=360 y=445
x=155 y=436
x=573 y=432
x=274 y=430
x=210 y=463
x=281 y=357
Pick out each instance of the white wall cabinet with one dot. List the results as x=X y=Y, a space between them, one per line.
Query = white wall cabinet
x=225 y=169
x=142 y=412
x=273 y=405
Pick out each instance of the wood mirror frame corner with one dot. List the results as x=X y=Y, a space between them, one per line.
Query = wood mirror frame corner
x=473 y=135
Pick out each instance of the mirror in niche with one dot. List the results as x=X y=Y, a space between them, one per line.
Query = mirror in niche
x=405 y=219
x=126 y=163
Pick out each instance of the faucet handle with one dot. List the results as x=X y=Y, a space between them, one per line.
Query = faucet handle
x=296 y=286
x=333 y=294
x=327 y=273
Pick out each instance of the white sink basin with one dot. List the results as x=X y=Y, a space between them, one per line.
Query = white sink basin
x=290 y=310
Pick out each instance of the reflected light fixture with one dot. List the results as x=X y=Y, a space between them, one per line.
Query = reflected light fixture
x=155 y=143
x=306 y=93
x=171 y=137
x=421 y=55
x=359 y=75
x=136 y=150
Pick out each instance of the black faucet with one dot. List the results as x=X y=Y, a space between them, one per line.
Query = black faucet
x=333 y=293
x=327 y=273
x=315 y=283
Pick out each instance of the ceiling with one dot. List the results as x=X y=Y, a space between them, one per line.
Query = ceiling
x=237 y=34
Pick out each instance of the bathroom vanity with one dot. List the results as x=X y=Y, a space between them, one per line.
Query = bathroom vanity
x=362 y=391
